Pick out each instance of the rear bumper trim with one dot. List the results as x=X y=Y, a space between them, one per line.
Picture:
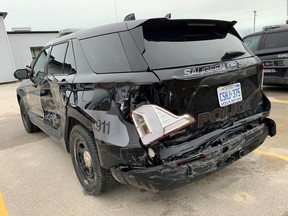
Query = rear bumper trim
x=180 y=172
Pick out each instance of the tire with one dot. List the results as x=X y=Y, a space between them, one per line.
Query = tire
x=94 y=179
x=28 y=125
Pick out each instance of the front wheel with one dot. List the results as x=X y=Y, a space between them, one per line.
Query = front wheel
x=28 y=125
x=94 y=179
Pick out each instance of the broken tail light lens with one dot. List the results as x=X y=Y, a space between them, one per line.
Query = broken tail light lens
x=153 y=122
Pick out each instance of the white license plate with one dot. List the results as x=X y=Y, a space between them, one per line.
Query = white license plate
x=229 y=94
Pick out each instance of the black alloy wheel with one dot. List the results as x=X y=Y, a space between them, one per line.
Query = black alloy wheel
x=94 y=179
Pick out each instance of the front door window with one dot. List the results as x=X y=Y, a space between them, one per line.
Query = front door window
x=39 y=66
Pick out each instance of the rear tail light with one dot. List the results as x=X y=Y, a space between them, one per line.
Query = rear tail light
x=153 y=122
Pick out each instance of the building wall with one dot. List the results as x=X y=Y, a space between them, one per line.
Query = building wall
x=20 y=44
x=7 y=66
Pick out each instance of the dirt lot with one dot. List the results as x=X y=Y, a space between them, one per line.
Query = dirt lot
x=37 y=177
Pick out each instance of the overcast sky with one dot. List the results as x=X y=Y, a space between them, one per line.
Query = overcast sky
x=63 y=14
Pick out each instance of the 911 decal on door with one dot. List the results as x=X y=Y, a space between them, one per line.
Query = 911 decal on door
x=109 y=128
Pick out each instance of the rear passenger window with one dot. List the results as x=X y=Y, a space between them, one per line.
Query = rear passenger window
x=56 y=61
x=105 y=54
x=276 y=40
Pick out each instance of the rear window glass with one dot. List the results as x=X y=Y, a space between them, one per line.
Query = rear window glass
x=105 y=54
x=175 y=47
x=276 y=40
x=252 y=42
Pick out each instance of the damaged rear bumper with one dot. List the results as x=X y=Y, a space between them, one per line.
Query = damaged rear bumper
x=180 y=172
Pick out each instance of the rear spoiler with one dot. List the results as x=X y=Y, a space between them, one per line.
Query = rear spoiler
x=229 y=26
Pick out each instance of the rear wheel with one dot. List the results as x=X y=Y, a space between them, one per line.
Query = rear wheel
x=28 y=125
x=94 y=179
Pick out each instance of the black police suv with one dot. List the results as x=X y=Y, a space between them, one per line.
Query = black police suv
x=153 y=103
x=271 y=46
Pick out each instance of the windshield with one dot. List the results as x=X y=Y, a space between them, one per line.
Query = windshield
x=174 y=46
x=252 y=42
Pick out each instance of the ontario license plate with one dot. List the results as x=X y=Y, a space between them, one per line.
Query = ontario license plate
x=229 y=94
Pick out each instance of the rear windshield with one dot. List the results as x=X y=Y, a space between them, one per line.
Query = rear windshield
x=176 y=46
x=252 y=42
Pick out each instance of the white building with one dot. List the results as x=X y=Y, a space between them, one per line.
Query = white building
x=25 y=45
x=19 y=47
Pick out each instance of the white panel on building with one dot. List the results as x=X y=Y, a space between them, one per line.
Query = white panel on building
x=23 y=42
x=19 y=47
x=7 y=67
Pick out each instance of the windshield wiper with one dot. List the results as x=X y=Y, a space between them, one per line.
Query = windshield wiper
x=232 y=54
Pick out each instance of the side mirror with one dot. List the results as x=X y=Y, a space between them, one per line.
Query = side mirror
x=21 y=74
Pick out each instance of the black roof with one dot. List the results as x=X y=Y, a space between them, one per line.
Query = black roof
x=124 y=26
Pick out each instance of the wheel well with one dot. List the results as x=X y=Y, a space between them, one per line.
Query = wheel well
x=71 y=122
x=18 y=98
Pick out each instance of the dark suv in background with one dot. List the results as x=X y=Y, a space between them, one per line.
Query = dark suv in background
x=271 y=46
x=151 y=103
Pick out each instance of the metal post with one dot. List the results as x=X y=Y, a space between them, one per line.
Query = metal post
x=255 y=12
x=287 y=13
x=116 y=10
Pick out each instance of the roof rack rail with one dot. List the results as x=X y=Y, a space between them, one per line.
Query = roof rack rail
x=270 y=27
x=64 y=32
x=130 y=17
